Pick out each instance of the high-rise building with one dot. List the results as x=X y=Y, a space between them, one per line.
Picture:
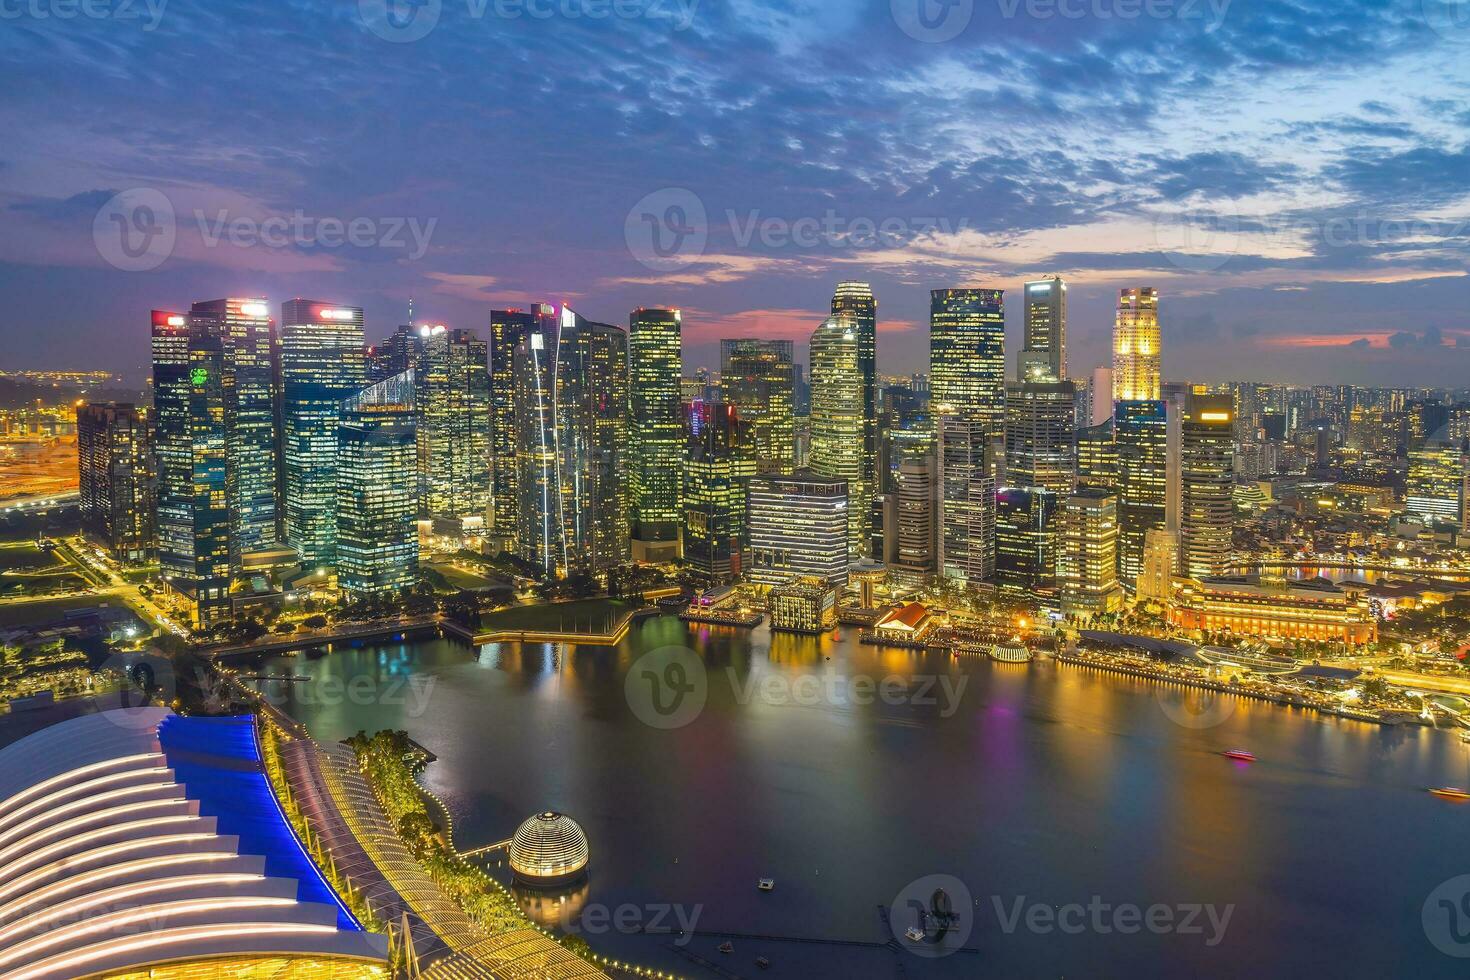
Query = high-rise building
x=837 y=424
x=855 y=300
x=248 y=347
x=1026 y=537
x=507 y=327
x=1136 y=361
x=911 y=519
x=798 y=528
x=967 y=361
x=1102 y=395
x=322 y=364
x=377 y=489
x=1207 y=485
x=717 y=473
x=1087 y=560
x=398 y=353
x=453 y=404
x=1142 y=432
x=115 y=479
x=1040 y=435
x=1097 y=458
x=1435 y=492
x=193 y=512
x=758 y=377
x=655 y=432
x=1044 y=354
x=1160 y=565
x=967 y=495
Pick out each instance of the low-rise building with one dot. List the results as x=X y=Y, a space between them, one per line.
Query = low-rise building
x=808 y=605
x=1250 y=606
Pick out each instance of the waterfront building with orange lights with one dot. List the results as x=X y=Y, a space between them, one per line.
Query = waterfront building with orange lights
x=1255 y=607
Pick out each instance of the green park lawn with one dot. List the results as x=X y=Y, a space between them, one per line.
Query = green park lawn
x=578 y=614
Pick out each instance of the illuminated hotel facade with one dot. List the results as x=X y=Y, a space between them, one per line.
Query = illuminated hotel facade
x=1251 y=607
x=655 y=432
x=377 y=498
x=1136 y=361
x=837 y=423
x=322 y=364
x=758 y=378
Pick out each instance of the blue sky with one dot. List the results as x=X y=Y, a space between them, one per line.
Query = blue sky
x=1293 y=176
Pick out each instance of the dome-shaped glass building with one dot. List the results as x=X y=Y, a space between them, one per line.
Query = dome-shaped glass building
x=549 y=848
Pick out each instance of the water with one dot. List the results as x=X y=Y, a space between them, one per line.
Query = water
x=1039 y=784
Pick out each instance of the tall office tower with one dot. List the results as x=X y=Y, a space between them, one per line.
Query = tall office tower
x=905 y=431
x=1207 y=485
x=506 y=329
x=1435 y=490
x=837 y=422
x=798 y=528
x=655 y=432
x=1425 y=419
x=967 y=494
x=1142 y=432
x=540 y=515
x=855 y=299
x=1040 y=436
x=1044 y=355
x=193 y=518
x=1026 y=536
x=453 y=427
x=1136 y=360
x=322 y=364
x=247 y=338
x=592 y=436
x=377 y=498
x=399 y=352
x=758 y=377
x=717 y=473
x=1097 y=458
x=1087 y=558
x=1102 y=395
x=1459 y=423
x=1160 y=565
x=967 y=359
x=911 y=519
x=115 y=479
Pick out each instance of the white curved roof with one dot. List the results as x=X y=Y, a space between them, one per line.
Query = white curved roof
x=106 y=862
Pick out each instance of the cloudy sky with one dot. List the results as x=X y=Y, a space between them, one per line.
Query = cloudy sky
x=1293 y=175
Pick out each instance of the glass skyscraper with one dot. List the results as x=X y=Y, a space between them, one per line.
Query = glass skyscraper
x=506 y=329
x=655 y=432
x=855 y=299
x=717 y=473
x=837 y=423
x=115 y=479
x=377 y=502
x=453 y=403
x=1026 y=541
x=1141 y=429
x=322 y=364
x=1136 y=359
x=1041 y=424
x=758 y=378
x=967 y=354
x=1044 y=353
x=1087 y=558
x=967 y=499
x=1207 y=485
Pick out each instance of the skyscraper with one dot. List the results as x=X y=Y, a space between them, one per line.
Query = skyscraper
x=193 y=515
x=506 y=329
x=911 y=519
x=1026 y=536
x=1040 y=435
x=1097 y=458
x=798 y=528
x=592 y=436
x=1087 y=560
x=115 y=479
x=1207 y=485
x=1142 y=432
x=967 y=362
x=967 y=495
x=758 y=378
x=1136 y=361
x=1044 y=354
x=247 y=339
x=855 y=299
x=655 y=432
x=322 y=364
x=397 y=353
x=717 y=473
x=1436 y=484
x=377 y=500
x=837 y=423
x=453 y=427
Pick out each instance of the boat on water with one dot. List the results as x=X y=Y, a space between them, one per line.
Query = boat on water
x=727 y=947
x=914 y=934
x=766 y=884
x=762 y=962
x=1451 y=793
x=1240 y=755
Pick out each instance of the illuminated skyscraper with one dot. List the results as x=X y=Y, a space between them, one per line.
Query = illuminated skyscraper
x=1087 y=559
x=717 y=474
x=758 y=378
x=1142 y=431
x=1041 y=422
x=506 y=329
x=967 y=495
x=453 y=404
x=837 y=421
x=247 y=338
x=1044 y=355
x=1097 y=458
x=1136 y=361
x=1160 y=565
x=967 y=360
x=911 y=519
x=1207 y=485
x=655 y=432
x=1026 y=541
x=193 y=516
x=115 y=479
x=398 y=352
x=540 y=519
x=798 y=528
x=855 y=299
x=377 y=500
x=1436 y=487
x=322 y=364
